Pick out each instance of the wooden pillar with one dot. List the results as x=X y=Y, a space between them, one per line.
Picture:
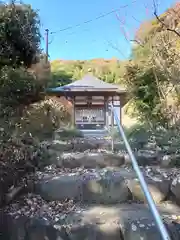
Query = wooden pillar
x=106 y=111
x=112 y=115
x=120 y=111
x=112 y=127
x=120 y=117
x=73 y=122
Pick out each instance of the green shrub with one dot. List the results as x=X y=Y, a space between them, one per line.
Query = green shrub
x=19 y=88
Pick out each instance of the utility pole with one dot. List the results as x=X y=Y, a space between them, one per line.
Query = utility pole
x=47 y=43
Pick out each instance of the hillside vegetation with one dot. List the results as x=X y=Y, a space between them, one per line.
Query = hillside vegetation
x=109 y=70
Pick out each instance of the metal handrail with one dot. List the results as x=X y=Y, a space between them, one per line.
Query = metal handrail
x=159 y=223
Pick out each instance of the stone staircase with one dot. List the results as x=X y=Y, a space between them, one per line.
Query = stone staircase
x=92 y=194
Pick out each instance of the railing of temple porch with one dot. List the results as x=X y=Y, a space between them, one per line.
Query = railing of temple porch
x=159 y=223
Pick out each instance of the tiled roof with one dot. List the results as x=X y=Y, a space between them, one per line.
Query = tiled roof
x=89 y=81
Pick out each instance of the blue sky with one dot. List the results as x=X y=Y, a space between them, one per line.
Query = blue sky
x=100 y=38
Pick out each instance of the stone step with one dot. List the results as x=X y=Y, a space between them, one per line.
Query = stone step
x=90 y=193
x=103 y=186
x=80 y=145
x=63 y=155
x=120 y=222
x=90 y=160
x=87 y=139
x=107 y=158
x=95 y=133
x=85 y=135
x=49 y=220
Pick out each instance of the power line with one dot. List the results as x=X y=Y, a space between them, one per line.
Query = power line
x=91 y=20
x=88 y=30
x=96 y=18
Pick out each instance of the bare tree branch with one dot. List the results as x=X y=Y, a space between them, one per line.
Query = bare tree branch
x=162 y=23
x=124 y=32
x=115 y=47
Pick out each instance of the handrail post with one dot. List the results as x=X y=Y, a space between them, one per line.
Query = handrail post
x=159 y=223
